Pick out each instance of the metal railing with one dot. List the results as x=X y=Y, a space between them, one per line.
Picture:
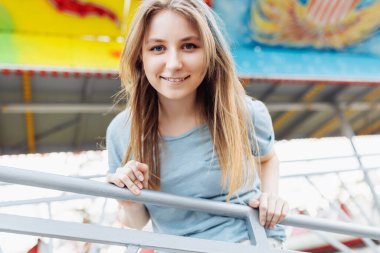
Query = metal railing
x=136 y=239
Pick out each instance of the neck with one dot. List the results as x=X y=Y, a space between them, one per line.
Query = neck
x=173 y=110
x=176 y=117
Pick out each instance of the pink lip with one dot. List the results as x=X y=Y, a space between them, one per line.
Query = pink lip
x=165 y=77
x=175 y=80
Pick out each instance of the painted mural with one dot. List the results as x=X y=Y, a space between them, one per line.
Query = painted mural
x=89 y=33
x=335 y=40
x=352 y=25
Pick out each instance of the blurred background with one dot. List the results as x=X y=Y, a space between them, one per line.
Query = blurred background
x=314 y=63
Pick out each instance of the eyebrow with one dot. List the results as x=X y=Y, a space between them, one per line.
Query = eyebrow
x=188 y=38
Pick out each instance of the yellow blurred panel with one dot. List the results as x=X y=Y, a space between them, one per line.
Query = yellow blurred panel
x=41 y=50
x=64 y=17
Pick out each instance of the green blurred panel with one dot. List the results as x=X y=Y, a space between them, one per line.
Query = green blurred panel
x=6 y=23
x=8 y=53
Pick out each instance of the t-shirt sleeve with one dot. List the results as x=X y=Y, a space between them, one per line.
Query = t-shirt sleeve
x=263 y=140
x=116 y=141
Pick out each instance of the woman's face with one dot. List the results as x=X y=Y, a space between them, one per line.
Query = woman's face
x=173 y=56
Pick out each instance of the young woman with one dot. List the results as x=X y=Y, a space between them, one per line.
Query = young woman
x=189 y=128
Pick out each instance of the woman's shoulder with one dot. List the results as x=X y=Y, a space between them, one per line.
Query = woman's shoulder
x=119 y=123
x=256 y=108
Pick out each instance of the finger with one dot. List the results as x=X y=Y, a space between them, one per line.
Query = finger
x=263 y=208
x=138 y=184
x=111 y=178
x=130 y=185
x=284 y=211
x=137 y=173
x=144 y=168
x=270 y=210
x=277 y=213
x=254 y=203
x=128 y=170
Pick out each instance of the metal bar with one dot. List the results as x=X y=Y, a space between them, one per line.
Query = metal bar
x=14 y=67
x=29 y=121
x=94 y=247
x=43 y=200
x=309 y=78
x=84 y=177
x=334 y=242
x=320 y=106
x=257 y=233
x=342 y=214
x=115 y=236
x=89 y=187
x=328 y=158
x=351 y=196
x=328 y=172
x=50 y=245
x=132 y=249
x=349 y=133
x=339 y=227
x=59 y=108
x=105 y=108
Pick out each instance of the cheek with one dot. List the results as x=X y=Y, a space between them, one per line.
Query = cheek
x=198 y=62
x=151 y=65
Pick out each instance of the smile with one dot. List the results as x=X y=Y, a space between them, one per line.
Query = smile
x=175 y=79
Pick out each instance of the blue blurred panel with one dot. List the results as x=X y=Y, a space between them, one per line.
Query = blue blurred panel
x=313 y=39
x=285 y=64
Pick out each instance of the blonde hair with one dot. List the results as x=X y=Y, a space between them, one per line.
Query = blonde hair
x=221 y=94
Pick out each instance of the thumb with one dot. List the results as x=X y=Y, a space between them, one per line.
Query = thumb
x=254 y=203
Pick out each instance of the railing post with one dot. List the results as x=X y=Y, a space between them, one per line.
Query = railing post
x=349 y=133
x=342 y=214
x=132 y=249
x=256 y=232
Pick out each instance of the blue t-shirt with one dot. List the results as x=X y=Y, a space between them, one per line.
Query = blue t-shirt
x=190 y=168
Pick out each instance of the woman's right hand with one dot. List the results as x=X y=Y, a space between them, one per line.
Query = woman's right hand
x=133 y=175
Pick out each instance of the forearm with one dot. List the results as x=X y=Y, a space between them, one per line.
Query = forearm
x=134 y=216
x=270 y=175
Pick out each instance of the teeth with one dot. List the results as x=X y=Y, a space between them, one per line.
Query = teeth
x=174 y=79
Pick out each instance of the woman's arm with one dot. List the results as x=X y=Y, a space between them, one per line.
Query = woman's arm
x=133 y=215
x=269 y=173
x=272 y=208
x=133 y=175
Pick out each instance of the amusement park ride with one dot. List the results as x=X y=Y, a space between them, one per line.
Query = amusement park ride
x=314 y=63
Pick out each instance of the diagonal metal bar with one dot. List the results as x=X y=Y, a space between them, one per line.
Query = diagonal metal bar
x=349 y=133
x=132 y=249
x=341 y=214
x=334 y=242
x=328 y=171
x=114 y=236
x=89 y=187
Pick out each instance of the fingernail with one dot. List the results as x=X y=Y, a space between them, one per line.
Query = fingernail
x=141 y=178
x=262 y=222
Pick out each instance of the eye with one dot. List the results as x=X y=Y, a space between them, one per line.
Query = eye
x=189 y=46
x=157 y=48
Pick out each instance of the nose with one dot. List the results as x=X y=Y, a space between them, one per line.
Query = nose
x=174 y=60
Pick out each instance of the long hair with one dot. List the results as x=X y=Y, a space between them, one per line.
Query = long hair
x=221 y=95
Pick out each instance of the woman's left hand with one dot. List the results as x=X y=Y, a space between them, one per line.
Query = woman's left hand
x=272 y=209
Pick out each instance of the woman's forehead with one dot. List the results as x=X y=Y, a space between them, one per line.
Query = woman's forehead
x=169 y=22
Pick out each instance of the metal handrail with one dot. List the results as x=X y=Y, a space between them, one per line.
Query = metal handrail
x=95 y=188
